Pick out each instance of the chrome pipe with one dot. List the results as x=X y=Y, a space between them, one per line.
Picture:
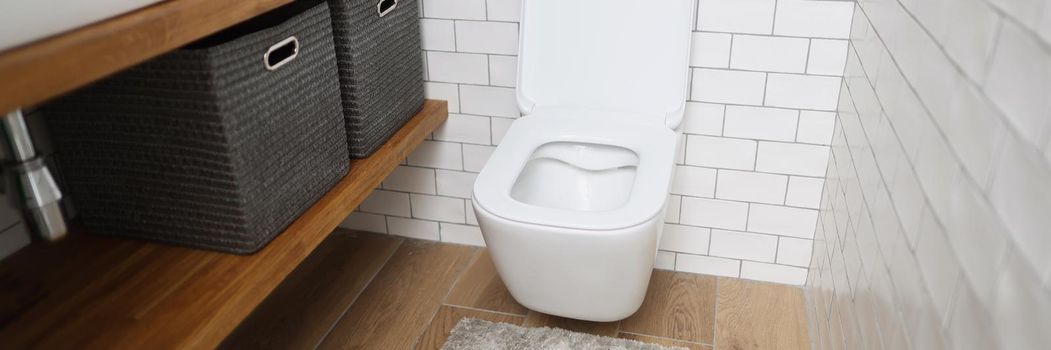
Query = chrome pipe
x=40 y=196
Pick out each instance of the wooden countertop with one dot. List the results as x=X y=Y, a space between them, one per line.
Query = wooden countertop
x=35 y=72
x=95 y=292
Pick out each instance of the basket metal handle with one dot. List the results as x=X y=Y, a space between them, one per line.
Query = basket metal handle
x=383 y=7
x=281 y=53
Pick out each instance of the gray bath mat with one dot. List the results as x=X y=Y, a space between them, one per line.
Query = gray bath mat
x=475 y=334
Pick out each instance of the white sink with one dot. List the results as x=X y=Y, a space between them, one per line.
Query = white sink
x=25 y=21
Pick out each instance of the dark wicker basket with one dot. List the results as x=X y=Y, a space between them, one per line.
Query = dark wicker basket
x=206 y=146
x=380 y=68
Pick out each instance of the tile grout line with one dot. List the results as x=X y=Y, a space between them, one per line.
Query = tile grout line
x=773 y=19
x=678 y=218
x=386 y=223
x=799 y=120
x=715 y=309
x=689 y=99
x=735 y=104
x=472 y=308
x=674 y=260
x=722 y=121
x=724 y=69
x=456 y=46
x=694 y=30
x=777 y=250
x=738 y=260
x=806 y=63
x=715 y=188
x=696 y=8
x=762 y=140
x=665 y=338
x=670 y=193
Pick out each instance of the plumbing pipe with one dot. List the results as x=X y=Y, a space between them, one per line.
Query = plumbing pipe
x=39 y=192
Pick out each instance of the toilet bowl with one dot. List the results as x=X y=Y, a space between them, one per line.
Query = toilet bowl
x=571 y=203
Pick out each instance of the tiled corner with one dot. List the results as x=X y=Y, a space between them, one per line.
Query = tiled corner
x=934 y=213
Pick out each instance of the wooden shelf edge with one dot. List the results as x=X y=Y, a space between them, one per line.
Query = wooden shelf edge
x=97 y=292
x=47 y=68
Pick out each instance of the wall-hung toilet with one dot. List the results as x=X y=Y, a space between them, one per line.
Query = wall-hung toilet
x=571 y=203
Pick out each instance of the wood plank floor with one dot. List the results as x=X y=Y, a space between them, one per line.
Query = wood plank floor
x=759 y=316
x=306 y=305
x=370 y=291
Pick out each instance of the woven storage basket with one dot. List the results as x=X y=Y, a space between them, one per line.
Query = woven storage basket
x=206 y=146
x=380 y=68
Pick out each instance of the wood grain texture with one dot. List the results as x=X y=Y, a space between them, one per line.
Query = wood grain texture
x=95 y=292
x=480 y=287
x=47 y=68
x=677 y=306
x=664 y=341
x=442 y=325
x=606 y=329
x=755 y=315
x=401 y=301
x=299 y=313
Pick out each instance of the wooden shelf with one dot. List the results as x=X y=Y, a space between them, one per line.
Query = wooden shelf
x=47 y=68
x=96 y=292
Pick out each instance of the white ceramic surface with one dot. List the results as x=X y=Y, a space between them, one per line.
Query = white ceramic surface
x=23 y=21
x=508 y=171
x=583 y=274
x=571 y=202
x=629 y=56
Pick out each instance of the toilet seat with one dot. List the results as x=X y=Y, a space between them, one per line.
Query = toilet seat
x=653 y=143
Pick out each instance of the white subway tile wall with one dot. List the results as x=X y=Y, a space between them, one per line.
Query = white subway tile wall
x=736 y=16
x=759 y=122
x=743 y=245
x=713 y=213
x=751 y=186
x=753 y=52
x=727 y=86
x=933 y=225
x=710 y=50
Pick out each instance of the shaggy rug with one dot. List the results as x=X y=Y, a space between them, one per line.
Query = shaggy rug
x=475 y=334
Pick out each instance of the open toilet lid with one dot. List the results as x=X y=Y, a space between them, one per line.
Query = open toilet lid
x=623 y=55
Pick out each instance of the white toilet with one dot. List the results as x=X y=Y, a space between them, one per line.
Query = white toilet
x=571 y=204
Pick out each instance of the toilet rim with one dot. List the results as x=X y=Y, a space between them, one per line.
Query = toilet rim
x=655 y=145
x=479 y=206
